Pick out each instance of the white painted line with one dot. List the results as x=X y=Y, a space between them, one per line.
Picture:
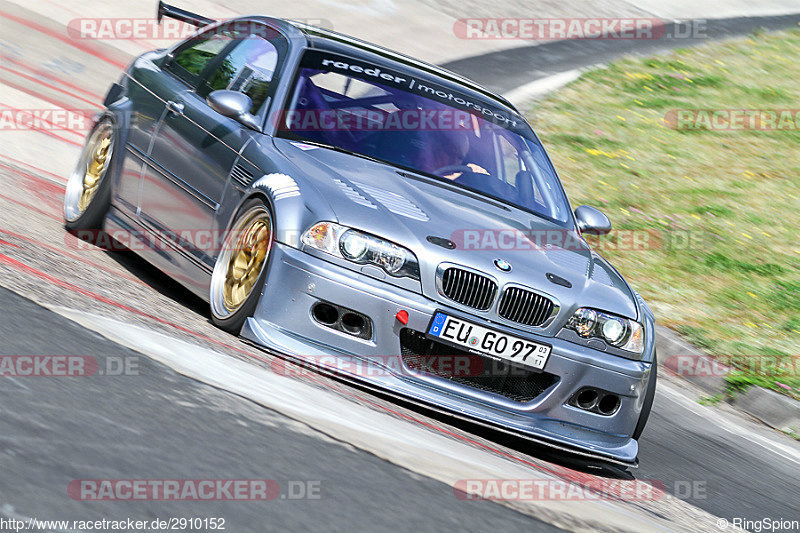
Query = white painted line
x=542 y=86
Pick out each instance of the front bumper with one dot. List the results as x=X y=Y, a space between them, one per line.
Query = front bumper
x=283 y=322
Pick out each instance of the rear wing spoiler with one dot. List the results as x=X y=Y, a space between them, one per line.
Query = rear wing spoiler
x=166 y=10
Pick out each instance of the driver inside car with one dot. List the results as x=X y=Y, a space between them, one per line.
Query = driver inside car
x=453 y=148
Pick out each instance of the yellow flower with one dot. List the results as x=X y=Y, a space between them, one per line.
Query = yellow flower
x=639 y=76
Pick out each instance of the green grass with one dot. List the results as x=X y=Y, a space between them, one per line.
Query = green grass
x=725 y=204
x=792 y=432
x=711 y=400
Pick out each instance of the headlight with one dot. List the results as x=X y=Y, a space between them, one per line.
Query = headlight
x=362 y=248
x=354 y=245
x=584 y=321
x=619 y=332
x=613 y=331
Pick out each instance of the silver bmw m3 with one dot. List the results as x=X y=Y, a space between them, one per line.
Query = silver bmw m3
x=375 y=216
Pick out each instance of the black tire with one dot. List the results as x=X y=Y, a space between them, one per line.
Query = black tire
x=88 y=223
x=223 y=317
x=649 y=396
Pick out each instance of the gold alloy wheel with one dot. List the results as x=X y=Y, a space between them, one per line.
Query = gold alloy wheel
x=85 y=180
x=94 y=171
x=247 y=258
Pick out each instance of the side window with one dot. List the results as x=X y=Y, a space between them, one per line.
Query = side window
x=248 y=68
x=511 y=160
x=193 y=57
x=518 y=174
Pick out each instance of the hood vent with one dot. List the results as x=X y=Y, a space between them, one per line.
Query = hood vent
x=601 y=275
x=353 y=194
x=395 y=203
x=569 y=259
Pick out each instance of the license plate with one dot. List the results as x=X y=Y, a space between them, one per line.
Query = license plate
x=479 y=339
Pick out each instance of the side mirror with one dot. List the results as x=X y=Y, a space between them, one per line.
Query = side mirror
x=591 y=220
x=235 y=105
x=168 y=59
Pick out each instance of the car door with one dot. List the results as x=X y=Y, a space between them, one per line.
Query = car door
x=148 y=90
x=195 y=147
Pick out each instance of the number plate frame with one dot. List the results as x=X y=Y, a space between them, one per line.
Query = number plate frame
x=535 y=360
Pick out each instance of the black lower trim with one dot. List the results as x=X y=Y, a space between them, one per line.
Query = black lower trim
x=515 y=382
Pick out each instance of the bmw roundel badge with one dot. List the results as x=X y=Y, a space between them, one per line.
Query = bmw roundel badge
x=503 y=265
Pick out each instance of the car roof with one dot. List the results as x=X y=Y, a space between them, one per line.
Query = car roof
x=345 y=44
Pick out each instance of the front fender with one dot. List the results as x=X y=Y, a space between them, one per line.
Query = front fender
x=648 y=319
x=286 y=202
x=295 y=202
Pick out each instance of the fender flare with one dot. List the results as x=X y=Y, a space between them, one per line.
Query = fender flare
x=283 y=197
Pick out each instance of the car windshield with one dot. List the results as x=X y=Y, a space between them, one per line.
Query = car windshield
x=412 y=123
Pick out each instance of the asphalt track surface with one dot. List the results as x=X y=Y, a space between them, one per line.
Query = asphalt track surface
x=157 y=423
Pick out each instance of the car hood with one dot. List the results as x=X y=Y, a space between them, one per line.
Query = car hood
x=407 y=209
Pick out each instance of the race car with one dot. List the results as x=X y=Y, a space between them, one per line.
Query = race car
x=349 y=207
